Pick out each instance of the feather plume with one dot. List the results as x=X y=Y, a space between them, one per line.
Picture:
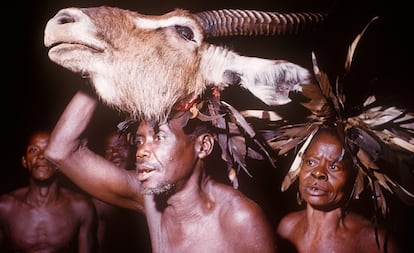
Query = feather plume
x=354 y=44
x=233 y=134
x=245 y=126
x=295 y=167
x=405 y=195
x=359 y=184
x=380 y=138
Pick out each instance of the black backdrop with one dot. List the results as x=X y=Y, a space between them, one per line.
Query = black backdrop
x=35 y=91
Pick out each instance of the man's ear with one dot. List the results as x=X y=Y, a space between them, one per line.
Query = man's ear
x=205 y=144
x=24 y=162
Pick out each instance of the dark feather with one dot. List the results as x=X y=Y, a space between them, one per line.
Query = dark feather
x=294 y=169
x=380 y=138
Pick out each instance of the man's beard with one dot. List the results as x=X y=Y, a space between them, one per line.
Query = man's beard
x=162 y=189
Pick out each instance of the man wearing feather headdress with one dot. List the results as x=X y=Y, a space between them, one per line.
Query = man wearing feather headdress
x=185 y=208
x=326 y=181
x=340 y=152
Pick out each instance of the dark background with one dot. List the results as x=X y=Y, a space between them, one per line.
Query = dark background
x=35 y=90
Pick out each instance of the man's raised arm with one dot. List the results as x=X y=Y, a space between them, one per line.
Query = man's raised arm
x=90 y=171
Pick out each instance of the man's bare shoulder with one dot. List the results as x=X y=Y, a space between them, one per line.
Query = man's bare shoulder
x=13 y=196
x=235 y=207
x=367 y=233
x=236 y=212
x=232 y=197
x=289 y=223
x=76 y=199
x=10 y=200
x=358 y=224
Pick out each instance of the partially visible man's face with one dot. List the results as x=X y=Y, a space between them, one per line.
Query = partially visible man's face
x=34 y=160
x=165 y=156
x=324 y=173
x=117 y=150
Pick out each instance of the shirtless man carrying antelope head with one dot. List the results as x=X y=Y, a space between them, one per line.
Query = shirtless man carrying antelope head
x=160 y=70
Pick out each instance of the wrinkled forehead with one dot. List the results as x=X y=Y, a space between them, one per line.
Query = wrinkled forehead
x=327 y=144
x=131 y=127
x=39 y=138
x=330 y=144
x=176 y=122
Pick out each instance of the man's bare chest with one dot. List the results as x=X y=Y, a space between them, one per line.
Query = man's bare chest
x=36 y=226
x=203 y=235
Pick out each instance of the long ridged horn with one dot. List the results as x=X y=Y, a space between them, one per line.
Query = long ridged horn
x=232 y=22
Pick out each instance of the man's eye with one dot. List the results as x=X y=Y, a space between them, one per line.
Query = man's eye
x=310 y=163
x=32 y=150
x=134 y=140
x=334 y=167
x=139 y=141
x=108 y=151
x=158 y=137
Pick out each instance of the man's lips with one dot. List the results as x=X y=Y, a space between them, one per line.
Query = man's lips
x=315 y=190
x=43 y=165
x=144 y=172
x=43 y=168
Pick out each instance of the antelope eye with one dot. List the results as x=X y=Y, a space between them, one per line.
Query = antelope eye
x=185 y=32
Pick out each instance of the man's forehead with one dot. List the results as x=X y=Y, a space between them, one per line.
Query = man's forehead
x=325 y=137
x=179 y=120
x=325 y=142
x=39 y=138
x=153 y=126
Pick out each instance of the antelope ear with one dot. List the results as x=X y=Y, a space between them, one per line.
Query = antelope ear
x=269 y=80
x=231 y=77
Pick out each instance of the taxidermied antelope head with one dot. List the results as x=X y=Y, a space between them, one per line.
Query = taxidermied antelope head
x=146 y=65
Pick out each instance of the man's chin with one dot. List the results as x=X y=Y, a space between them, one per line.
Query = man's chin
x=159 y=190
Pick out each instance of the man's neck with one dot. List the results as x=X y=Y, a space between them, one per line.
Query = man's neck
x=42 y=194
x=317 y=220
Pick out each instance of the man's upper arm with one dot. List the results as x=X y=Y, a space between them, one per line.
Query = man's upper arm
x=88 y=228
x=254 y=231
x=5 y=207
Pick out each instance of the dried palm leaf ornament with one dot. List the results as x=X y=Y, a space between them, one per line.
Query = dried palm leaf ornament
x=379 y=138
x=235 y=136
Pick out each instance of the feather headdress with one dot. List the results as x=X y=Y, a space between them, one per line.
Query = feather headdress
x=236 y=137
x=380 y=138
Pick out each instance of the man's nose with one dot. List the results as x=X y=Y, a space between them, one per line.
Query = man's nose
x=320 y=173
x=142 y=152
x=41 y=155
